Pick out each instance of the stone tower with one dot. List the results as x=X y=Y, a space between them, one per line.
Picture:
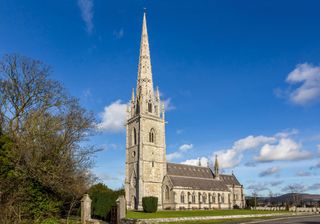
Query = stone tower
x=145 y=135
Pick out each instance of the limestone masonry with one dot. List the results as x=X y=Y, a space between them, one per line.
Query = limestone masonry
x=177 y=186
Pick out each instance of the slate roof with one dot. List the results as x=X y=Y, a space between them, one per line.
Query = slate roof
x=196 y=177
x=198 y=183
x=190 y=171
x=229 y=179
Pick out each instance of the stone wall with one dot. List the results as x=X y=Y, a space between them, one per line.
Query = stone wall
x=291 y=209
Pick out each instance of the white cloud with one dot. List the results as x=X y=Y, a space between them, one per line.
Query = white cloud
x=252 y=142
x=174 y=155
x=118 y=34
x=195 y=162
x=108 y=178
x=230 y=158
x=178 y=154
x=168 y=105
x=285 y=149
x=271 y=148
x=111 y=146
x=185 y=147
x=287 y=133
x=308 y=76
x=270 y=171
x=113 y=117
x=86 y=8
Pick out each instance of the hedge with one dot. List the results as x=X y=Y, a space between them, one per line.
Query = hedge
x=150 y=204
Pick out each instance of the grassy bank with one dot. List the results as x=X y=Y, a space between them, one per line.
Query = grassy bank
x=193 y=213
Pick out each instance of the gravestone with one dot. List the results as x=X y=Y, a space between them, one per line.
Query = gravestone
x=85 y=209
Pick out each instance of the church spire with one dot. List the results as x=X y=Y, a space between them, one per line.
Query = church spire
x=144 y=82
x=132 y=96
x=216 y=168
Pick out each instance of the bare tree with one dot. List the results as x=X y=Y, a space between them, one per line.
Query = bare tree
x=295 y=191
x=46 y=129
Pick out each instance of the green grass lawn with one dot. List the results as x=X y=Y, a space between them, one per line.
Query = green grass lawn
x=192 y=213
x=222 y=221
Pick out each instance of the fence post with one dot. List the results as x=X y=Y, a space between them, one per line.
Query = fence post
x=121 y=208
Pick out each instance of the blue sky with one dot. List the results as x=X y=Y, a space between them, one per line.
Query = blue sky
x=240 y=79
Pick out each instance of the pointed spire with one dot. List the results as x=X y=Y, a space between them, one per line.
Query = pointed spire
x=132 y=96
x=199 y=162
x=144 y=83
x=158 y=93
x=216 y=167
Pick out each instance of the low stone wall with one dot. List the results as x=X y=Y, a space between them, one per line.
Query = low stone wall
x=301 y=209
x=159 y=220
x=291 y=209
x=268 y=208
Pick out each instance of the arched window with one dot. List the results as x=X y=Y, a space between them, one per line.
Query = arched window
x=189 y=197
x=204 y=198
x=152 y=135
x=193 y=198
x=222 y=198
x=167 y=193
x=150 y=107
x=214 y=198
x=199 y=197
x=134 y=136
x=219 y=198
x=182 y=197
x=209 y=198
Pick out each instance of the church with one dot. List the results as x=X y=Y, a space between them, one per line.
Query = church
x=147 y=172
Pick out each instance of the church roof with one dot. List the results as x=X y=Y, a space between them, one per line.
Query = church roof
x=197 y=177
x=198 y=183
x=229 y=179
x=190 y=171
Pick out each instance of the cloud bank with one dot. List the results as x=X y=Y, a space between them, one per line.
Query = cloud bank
x=279 y=147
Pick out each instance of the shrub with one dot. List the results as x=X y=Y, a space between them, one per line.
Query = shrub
x=236 y=206
x=150 y=204
x=102 y=200
x=50 y=221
